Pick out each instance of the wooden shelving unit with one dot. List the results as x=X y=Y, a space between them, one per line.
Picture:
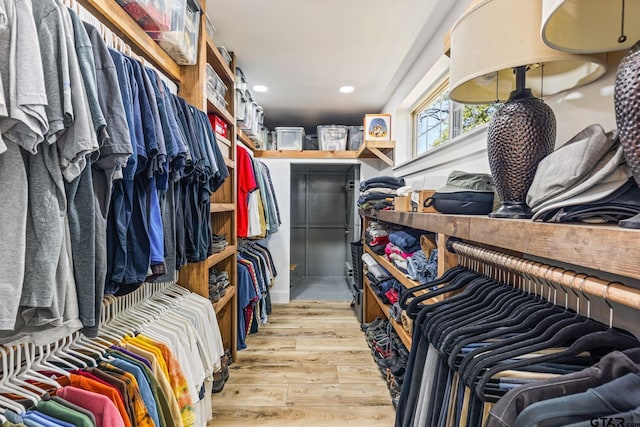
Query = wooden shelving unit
x=382 y=150
x=192 y=84
x=246 y=140
x=390 y=267
x=223 y=207
x=600 y=247
x=374 y=307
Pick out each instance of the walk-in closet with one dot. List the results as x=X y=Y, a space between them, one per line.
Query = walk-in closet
x=311 y=213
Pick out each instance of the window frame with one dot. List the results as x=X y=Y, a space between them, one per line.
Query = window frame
x=432 y=95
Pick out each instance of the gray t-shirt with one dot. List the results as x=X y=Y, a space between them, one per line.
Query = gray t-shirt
x=55 y=64
x=84 y=51
x=25 y=121
x=79 y=140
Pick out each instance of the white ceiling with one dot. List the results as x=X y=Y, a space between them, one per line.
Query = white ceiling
x=304 y=50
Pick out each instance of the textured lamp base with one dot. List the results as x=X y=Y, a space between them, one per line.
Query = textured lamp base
x=627 y=103
x=521 y=133
x=512 y=210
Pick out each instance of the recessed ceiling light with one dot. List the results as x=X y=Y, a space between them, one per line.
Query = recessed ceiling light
x=347 y=89
x=260 y=88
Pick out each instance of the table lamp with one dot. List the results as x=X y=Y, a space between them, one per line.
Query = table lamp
x=588 y=26
x=497 y=55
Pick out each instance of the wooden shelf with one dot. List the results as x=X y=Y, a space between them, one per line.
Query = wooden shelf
x=222 y=112
x=404 y=335
x=600 y=247
x=220 y=256
x=391 y=268
x=214 y=57
x=114 y=16
x=223 y=207
x=246 y=140
x=224 y=140
x=306 y=154
x=377 y=149
x=369 y=150
x=228 y=296
x=230 y=163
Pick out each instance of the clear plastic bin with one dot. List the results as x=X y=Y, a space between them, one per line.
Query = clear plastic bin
x=241 y=106
x=181 y=41
x=225 y=54
x=356 y=136
x=214 y=80
x=289 y=138
x=151 y=15
x=332 y=137
x=241 y=81
x=210 y=27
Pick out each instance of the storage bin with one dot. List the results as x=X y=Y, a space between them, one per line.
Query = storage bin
x=219 y=126
x=216 y=81
x=289 y=138
x=225 y=54
x=181 y=40
x=149 y=14
x=241 y=81
x=241 y=106
x=332 y=137
x=209 y=26
x=356 y=137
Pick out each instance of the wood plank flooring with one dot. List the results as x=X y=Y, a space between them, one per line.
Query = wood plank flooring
x=310 y=366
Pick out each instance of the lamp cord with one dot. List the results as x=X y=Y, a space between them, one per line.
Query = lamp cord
x=542 y=81
x=497 y=88
x=622 y=37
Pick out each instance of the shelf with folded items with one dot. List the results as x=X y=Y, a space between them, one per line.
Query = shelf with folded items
x=220 y=256
x=384 y=309
x=395 y=271
x=219 y=305
x=596 y=246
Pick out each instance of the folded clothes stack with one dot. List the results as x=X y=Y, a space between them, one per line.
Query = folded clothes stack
x=218 y=243
x=585 y=180
x=218 y=282
x=379 y=192
x=421 y=268
x=408 y=240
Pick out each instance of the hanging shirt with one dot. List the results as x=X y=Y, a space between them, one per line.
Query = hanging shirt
x=246 y=184
x=62 y=413
x=103 y=409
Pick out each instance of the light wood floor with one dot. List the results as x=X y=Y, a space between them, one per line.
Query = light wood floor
x=310 y=366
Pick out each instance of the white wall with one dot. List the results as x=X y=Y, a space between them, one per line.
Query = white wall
x=280 y=243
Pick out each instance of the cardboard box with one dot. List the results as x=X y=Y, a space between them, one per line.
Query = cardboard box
x=422 y=196
x=402 y=204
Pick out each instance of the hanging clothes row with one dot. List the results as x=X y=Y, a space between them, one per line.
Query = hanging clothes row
x=258 y=214
x=256 y=272
x=105 y=175
x=471 y=349
x=153 y=365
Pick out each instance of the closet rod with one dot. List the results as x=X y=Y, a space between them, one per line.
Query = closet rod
x=579 y=282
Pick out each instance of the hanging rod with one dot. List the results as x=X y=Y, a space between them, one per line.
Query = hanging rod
x=578 y=282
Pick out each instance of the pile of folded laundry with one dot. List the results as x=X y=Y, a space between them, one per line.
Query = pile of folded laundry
x=379 y=192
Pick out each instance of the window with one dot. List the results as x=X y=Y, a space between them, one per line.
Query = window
x=437 y=119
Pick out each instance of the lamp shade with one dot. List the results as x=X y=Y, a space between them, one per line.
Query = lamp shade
x=587 y=26
x=493 y=37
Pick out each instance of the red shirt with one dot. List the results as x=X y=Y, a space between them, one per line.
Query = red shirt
x=246 y=184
